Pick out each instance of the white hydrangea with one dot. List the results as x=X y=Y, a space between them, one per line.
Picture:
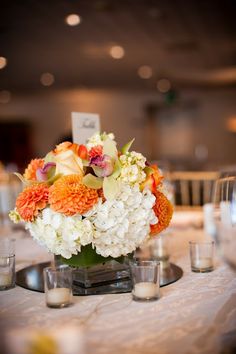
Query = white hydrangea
x=62 y=235
x=98 y=139
x=121 y=225
x=133 y=164
x=114 y=228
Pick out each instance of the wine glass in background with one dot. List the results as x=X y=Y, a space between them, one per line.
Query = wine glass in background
x=224 y=215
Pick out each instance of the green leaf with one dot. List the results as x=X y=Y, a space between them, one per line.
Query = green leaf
x=23 y=180
x=51 y=172
x=85 y=163
x=86 y=258
x=98 y=171
x=92 y=181
x=117 y=169
x=109 y=148
x=53 y=179
x=111 y=187
x=148 y=170
x=126 y=147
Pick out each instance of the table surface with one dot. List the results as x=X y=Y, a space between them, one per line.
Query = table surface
x=196 y=314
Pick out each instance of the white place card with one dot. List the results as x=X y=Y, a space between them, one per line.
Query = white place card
x=84 y=125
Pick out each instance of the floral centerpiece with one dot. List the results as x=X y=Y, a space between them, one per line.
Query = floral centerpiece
x=90 y=203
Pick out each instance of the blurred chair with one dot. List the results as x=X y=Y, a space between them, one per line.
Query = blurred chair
x=228 y=171
x=10 y=187
x=193 y=189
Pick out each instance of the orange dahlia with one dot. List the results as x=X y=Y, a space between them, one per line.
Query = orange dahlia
x=30 y=171
x=69 y=196
x=31 y=200
x=163 y=210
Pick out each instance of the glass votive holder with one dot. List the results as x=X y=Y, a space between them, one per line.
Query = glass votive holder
x=202 y=256
x=146 y=280
x=58 y=286
x=7 y=264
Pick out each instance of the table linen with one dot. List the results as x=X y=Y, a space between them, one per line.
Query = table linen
x=196 y=314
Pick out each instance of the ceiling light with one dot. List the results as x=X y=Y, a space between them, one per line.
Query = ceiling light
x=73 y=20
x=163 y=85
x=3 y=62
x=145 y=72
x=117 y=52
x=47 y=79
x=5 y=96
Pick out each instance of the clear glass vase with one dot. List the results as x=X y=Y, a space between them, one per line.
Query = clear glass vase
x=111 y=277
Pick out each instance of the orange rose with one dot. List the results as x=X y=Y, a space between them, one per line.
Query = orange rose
x=79 y=150
x=66 y=145
x=68 y=163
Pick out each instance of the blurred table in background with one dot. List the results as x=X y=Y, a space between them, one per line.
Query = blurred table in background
x=10 y=187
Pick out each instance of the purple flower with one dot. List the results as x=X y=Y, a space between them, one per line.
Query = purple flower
x=43 y=174
x=103 y=166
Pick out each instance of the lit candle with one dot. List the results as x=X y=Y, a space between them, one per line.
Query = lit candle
x=58 y=296
x=5 y=279
x=203 y=263
x=145 y=290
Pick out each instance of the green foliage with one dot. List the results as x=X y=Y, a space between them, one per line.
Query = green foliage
x=126 y=147
x=92 y=181
x=86 y=258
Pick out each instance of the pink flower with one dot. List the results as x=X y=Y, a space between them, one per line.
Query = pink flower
x=95 y=151
x=103 y=166
x=43 y=174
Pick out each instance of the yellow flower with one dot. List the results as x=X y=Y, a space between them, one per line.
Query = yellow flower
x=14 y=216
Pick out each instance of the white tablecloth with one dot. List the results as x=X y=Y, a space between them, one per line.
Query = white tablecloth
x=197 y=314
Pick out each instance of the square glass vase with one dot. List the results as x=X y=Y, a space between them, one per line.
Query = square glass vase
x=111 y=277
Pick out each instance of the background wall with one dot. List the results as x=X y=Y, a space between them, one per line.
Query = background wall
x=190 y=131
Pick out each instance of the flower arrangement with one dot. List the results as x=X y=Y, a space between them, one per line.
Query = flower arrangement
x=92 y=198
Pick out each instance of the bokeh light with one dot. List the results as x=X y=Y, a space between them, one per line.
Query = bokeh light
x=145 y=72
x=163 y=85
x=117 y=52
x=47 y=79
x=3 y=62
x=73 y=20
